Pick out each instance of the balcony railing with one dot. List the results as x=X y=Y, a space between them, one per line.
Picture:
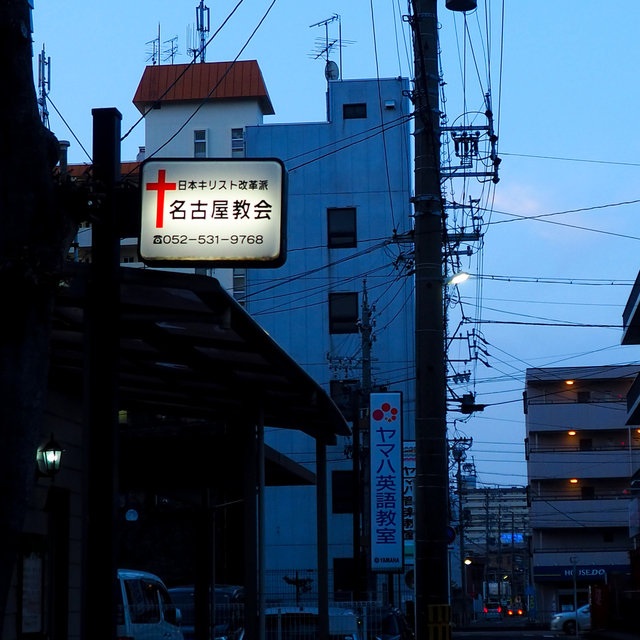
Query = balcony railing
x=630 y=319
x=602 y=512
x=633 y=403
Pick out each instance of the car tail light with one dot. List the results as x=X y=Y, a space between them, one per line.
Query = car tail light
x=499 y=609
x=520 y=612
x=509 y=612
x=486 y=610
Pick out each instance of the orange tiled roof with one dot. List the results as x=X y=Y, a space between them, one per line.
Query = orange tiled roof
x=82 y=170
x=243 y=80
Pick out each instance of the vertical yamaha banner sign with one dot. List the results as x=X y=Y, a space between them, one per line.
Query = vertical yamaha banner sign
x=386 y=482
x=213 y=212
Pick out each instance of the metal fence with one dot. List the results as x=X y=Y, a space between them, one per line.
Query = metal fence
x=300 y=586
x=289 y=621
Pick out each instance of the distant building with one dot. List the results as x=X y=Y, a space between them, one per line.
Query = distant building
x=580 y=457
x=496 y=541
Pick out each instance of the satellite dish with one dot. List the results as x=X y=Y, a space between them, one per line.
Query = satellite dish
x=331 y=71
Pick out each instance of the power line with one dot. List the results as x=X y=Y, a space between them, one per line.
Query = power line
x=528 y=155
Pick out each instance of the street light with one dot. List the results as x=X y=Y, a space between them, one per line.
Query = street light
x=457 y=278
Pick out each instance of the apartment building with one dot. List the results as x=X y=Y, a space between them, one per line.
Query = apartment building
x=580 y=456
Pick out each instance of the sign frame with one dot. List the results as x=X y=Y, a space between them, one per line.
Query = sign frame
x=201 y=246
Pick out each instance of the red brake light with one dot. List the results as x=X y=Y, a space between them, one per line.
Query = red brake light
x=509 y=612
x=499 y=609
x=486 y=610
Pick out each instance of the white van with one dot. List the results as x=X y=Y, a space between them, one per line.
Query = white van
x=145 y=610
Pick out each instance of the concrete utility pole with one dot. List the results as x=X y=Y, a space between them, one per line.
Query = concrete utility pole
x=459 y=449
x=431 y=480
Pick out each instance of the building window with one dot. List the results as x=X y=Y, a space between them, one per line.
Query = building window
x=239 y=284
x=343 y=579
x=584 y=396
x=341 y=228
x=586 y=444
x=354 y=111
x=341 y=392
x=237 y=143
x=342 y=491
x=200 y=143
x=588 y=493
x=343 y=313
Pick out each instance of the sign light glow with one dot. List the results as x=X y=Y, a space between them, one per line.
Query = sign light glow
x=215 y=212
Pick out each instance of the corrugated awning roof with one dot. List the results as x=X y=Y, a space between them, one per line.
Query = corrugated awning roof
x=202 y=81
x=188 y=349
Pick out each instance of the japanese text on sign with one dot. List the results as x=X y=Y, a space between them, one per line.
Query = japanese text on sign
x=212 y=211
x=386 y=482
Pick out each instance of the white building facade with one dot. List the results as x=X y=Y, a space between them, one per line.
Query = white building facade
x=580 y=457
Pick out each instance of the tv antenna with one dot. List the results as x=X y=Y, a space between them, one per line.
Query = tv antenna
x=171 y=51
x=44 y=85
x=153 y=54
x=203 y=26
x=324 y=47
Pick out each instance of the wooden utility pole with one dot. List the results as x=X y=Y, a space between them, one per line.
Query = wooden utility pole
x=431 y=480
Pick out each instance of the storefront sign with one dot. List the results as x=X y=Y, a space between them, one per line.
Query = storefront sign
x=594 y=573
x=408 y=476
x=386 y=482
x=213 y=212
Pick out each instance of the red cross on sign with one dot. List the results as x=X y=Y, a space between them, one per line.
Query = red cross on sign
x=161 y=186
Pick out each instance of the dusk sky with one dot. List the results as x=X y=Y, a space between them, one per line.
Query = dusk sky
x=562 y=77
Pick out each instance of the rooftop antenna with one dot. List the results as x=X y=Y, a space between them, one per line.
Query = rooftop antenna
x=153 y=55
x=44 y=85
x=326 y=45
x=172 y=51
x=203 y=27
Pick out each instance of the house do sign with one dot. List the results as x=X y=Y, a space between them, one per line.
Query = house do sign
x=213 y=212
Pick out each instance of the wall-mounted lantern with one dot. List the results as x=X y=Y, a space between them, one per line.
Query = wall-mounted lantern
x=49 y=458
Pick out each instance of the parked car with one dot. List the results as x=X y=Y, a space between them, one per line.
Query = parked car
x=301 y=623
x=566 y=621
x=228 y=616
x=492 y=611
x=145 y=608
x=386 y=623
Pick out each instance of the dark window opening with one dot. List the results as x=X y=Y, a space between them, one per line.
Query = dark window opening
x=342 y=491
x=586 y=444
x=584 y=396
x=343 y=579
x=607 y=535
x=343 y=313
x=341 y=228
x=588 y=493
x=342 y=392
x=354 y=111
